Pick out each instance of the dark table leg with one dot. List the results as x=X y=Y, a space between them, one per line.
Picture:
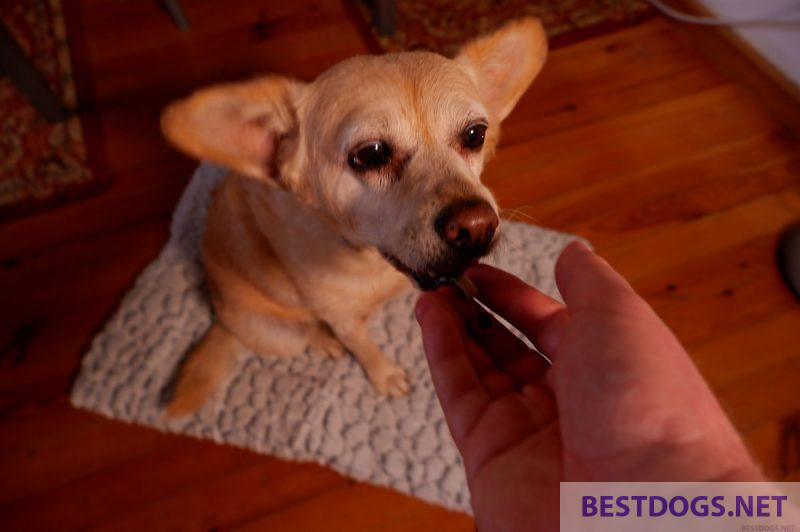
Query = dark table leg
x=386 y=16
x=176 y=12
x=19 y=69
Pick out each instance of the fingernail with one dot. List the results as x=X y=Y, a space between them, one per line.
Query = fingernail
x=579 y=246
x=483 y=320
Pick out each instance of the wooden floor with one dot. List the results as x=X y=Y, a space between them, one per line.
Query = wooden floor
x=632 y=139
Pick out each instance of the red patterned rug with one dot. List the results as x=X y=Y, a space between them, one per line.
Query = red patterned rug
x=41 y=164
x=443 y=25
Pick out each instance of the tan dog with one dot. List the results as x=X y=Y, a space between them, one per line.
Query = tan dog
x=376 y=162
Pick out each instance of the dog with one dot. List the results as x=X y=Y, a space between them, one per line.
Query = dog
x=342 y=192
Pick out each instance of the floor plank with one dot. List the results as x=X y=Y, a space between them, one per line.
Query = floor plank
x=729 y=358
x=360 y=507
x=160 y=485
x=737 y=277
x=42 y=464
x=264 y=487
x=697 y=184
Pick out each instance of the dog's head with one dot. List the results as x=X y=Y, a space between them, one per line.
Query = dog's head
x=389 y=148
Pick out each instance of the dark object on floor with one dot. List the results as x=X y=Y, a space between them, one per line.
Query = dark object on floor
x=788 y=257
x=19 y=69
x=176 y=12
x=385 y=16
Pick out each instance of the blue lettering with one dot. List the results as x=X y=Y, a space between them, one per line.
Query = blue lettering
x=589 y=505
x=703 y=508
x=663 y=501
x=605 y=506
x=672 y=506
x=762 y=506
x=621 y=502
x=779 y=499
x=746 y=507
x=639 y=500
x=716 y=502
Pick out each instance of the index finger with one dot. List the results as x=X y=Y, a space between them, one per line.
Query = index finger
x=539 y=317
x=457 y=385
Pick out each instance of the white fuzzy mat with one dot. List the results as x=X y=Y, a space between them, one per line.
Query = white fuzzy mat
x=307 y=407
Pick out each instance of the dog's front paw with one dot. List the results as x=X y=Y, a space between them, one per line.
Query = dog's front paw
x=326 y=344
x=390 y=379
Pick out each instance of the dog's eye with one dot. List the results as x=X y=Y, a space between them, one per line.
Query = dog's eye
x=369 y=156
x=472 y=138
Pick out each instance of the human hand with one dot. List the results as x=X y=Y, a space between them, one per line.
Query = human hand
x=622 y=401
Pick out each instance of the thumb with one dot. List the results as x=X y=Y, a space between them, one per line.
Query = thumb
x=586 y=280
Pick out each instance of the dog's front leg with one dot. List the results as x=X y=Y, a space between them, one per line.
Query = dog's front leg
x=387 y=377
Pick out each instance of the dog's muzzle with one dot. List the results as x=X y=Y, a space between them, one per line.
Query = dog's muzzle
x=467 y=228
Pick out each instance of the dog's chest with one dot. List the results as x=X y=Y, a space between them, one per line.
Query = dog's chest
x=352 y=280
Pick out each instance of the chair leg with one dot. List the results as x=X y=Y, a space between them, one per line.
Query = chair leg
x=19 y=69
x=385 y=16
x=176 y=12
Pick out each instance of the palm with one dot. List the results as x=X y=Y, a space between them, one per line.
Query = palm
x=520 y=470
x=630 y=403
x=502 y=416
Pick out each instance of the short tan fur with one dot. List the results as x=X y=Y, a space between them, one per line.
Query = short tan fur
x=302 y=236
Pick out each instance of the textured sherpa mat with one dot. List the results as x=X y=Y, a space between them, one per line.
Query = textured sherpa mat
x=307 y=407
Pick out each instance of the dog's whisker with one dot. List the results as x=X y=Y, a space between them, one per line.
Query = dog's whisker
x=518 y=214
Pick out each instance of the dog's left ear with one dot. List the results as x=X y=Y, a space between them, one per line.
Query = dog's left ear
x=239 y=125
x=504 y=63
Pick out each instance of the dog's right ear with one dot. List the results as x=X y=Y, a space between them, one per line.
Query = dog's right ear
x=238 y=125
x=505 y=62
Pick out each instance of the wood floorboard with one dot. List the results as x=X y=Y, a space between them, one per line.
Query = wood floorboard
x=358 y=507
x=160 y=485
x=629 y=70
x=722 y=358
x=734 y=277
x=270 y=486
x=770 y=393
x=665 y=247
x=775 y=444
x=627 y=143
x=48 y=462
x=631 y=139
x=682 y=190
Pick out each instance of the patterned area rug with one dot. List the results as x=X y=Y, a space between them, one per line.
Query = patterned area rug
x=443 y=25
x=41 y=164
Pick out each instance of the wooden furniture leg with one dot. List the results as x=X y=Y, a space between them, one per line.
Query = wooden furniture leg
x=385 y=16
x=19 y=69
x=176 y=12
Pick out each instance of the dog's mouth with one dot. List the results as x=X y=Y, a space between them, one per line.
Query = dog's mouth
x=433 y=277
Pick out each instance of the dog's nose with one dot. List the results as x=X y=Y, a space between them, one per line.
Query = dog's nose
x=468 y=226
